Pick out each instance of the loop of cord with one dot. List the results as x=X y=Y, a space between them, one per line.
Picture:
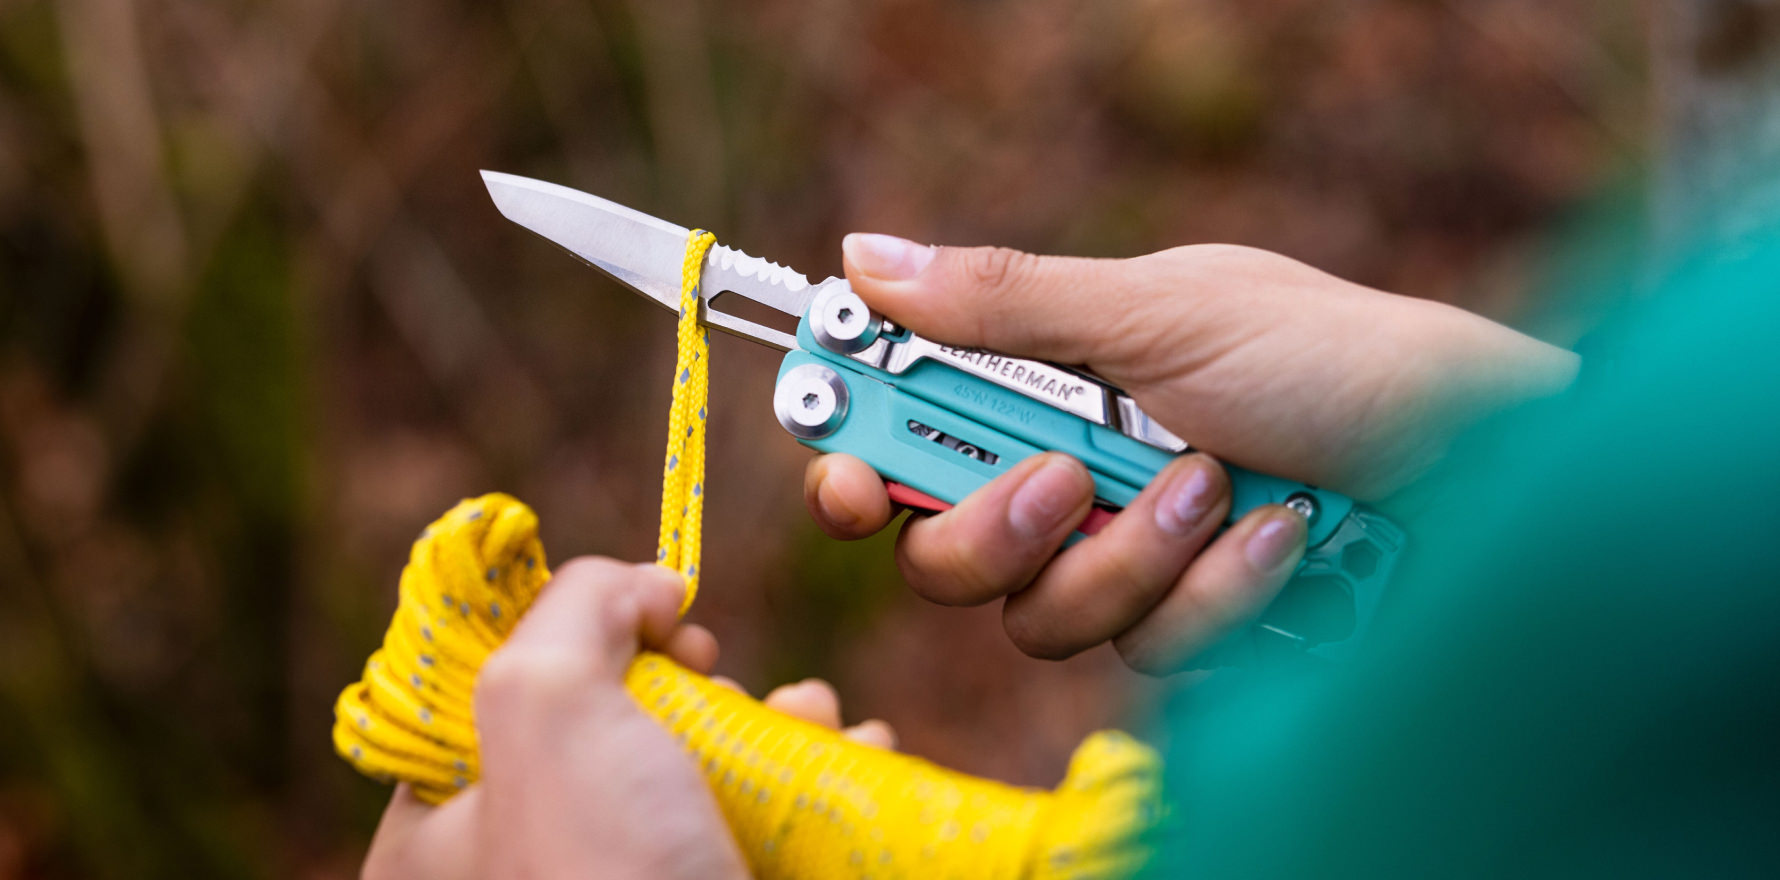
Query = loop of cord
x=803 y=801
x=683 y=474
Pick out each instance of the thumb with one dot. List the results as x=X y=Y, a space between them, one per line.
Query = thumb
x=1064 y=309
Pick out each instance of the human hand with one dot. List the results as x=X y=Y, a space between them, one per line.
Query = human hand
x=576 y=779
x=1254 y=358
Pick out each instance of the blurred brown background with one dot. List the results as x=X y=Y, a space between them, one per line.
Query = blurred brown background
x=259 y=323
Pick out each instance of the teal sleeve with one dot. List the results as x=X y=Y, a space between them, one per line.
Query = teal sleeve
x=1580 y=672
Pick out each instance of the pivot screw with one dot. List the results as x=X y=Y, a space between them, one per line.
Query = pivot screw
x=841 y=321
x=1304 y=504
x=810 y=401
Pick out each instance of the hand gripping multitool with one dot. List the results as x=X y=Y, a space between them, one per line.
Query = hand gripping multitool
x=937 y=421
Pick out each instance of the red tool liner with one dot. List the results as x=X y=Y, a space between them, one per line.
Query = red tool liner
x=916 y=499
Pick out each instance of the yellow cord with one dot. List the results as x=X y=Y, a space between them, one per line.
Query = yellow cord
x=803 y=801
x=683 y=475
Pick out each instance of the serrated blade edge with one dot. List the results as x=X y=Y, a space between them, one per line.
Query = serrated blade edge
x=763 y=281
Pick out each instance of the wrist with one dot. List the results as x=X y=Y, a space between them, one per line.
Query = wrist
x=1449 y=370
x=1491 y=366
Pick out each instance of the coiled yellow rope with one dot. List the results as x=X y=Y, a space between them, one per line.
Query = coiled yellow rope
x=803 y=801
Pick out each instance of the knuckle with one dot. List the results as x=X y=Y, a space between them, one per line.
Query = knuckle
x=999 y=268
x=1128 y=570
x=618 y=616
x=602 y=591
x=517 y=677
x=1130 y=576
x=1213 y=254
x=943 y=567
x=1143 y=654
x=588 y=569
x=1032 y=631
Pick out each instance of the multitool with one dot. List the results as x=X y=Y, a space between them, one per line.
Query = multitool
x=939 y=421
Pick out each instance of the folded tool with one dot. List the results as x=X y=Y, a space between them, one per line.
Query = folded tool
x=937 y=421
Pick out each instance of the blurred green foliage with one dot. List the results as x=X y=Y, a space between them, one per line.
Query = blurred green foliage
x=258 y=324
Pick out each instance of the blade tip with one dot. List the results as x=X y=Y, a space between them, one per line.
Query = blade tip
x=493 y=181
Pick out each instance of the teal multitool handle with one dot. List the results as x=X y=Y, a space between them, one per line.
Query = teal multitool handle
x=944 y=421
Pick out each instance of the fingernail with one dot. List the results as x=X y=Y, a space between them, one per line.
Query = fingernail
x=1275 y=542
x=886 y=257
x=1185 y=502
x=1047 y=496
x=837 y=513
